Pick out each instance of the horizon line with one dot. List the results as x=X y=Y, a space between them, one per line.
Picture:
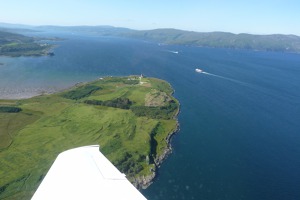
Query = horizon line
x=13 y=25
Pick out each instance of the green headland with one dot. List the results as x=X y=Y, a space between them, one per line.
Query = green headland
x=131 y=118
x=15 y=45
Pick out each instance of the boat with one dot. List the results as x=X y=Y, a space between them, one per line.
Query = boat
x=198 y=70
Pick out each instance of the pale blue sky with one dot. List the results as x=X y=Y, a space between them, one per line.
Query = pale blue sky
x=237 y=16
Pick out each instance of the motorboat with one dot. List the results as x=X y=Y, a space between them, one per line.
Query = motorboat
x=198 y=70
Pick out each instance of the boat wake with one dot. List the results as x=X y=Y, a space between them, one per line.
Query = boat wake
x=175 y=52
x=257 y=88
x=222 y=77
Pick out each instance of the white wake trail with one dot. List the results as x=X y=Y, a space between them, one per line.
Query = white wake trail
x=256 y=88
x=170 y=51
x=229 y=79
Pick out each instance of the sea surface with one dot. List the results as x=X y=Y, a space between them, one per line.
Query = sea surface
x=239 y=135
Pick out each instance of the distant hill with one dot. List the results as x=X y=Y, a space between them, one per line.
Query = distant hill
x=276 y=42
x=94 y=30
x=13 y=44
x=8 y=37
x=15 y=26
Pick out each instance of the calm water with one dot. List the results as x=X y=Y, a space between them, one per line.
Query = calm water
x=239 y=125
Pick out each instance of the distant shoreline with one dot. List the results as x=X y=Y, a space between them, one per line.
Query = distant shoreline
x=17 y=45
x=18 y=95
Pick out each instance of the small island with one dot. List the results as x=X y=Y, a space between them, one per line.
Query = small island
x=131 y=118
x=16 y=45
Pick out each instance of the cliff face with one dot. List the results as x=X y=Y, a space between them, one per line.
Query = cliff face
x=145 y=181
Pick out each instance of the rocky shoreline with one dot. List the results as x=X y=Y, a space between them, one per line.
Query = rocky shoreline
x=145 y=181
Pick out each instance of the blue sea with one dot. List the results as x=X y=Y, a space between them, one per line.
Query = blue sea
x=239 y=135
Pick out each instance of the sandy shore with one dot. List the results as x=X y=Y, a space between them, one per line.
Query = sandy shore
x=24 y=93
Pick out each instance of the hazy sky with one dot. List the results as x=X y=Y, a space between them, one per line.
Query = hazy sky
x=237 y=16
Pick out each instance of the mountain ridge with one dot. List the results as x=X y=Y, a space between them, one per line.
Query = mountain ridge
x=171 y=36
x=273 y=42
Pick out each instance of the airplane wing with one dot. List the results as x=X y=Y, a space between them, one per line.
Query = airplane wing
x=85 y=173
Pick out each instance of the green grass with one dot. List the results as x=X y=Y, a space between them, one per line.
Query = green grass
x=31 y=139
x=10 y=124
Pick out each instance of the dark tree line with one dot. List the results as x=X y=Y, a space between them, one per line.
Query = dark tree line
x=123 y=103
x=9 y=109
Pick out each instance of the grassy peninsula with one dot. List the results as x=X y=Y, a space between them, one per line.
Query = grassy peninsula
x=132 y=118
x=15 y=45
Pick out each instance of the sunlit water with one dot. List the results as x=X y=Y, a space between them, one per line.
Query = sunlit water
x=239 y=132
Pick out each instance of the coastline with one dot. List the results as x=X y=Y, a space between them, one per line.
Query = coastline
x=26 y=93
x=145 y=181
x=139 y=182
